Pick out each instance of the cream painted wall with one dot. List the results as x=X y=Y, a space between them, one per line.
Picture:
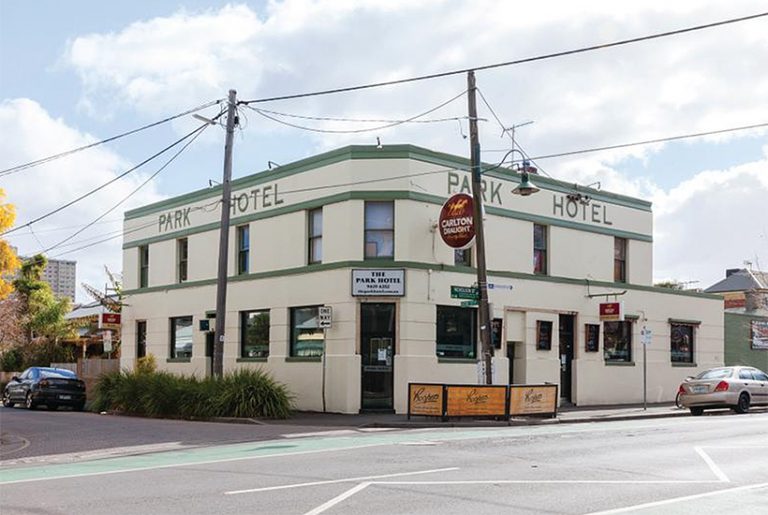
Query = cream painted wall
x=203 y=255
x=640 y=262
x=580 y=255
x=343 y=231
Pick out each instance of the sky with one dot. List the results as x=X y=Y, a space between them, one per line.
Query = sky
x=76 y=72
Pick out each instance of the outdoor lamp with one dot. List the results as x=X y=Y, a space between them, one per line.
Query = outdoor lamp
x=526 y=187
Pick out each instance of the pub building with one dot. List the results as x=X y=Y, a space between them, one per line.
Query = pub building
x=342 y=288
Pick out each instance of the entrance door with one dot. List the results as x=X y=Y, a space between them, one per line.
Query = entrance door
x=566 y=355
x=377 y=349
x=511 y=357
x=209 y=340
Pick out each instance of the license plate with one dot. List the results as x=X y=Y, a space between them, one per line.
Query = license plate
x=65 y=397
x=698 y=389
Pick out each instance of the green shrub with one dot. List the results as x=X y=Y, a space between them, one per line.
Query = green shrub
x=12 y=360
x=244 y=393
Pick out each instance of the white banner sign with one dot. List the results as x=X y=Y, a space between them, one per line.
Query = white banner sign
x=378 y=282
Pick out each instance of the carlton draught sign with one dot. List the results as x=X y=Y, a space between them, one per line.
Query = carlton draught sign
x=456 y=223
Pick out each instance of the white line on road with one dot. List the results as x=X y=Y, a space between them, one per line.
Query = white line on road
x=554 y=482
x=712 y=465
x=681 y=499
x=336 y=500
x=345 y=480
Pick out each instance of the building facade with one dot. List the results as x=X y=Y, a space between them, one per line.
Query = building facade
x=745 y=295
x=354 y=230
x=61 y=274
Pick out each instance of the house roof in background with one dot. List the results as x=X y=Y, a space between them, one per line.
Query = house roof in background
x=741 y=280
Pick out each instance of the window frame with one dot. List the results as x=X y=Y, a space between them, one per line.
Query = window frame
x=541 y=253
x=462 y=257
x=174 y=354
x=610 y=343
x=312 y=237
x=687 y=355
x=469 y=351
x=143 y=266
x=243 y=249
x=293 y=336
x=383 y=231
x=544 y=329
x=620 y=248
x=141 y=339
x=244 y=316
x=182 y=260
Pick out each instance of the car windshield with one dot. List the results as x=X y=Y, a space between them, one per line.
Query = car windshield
x=57 y=373
x=715 y=373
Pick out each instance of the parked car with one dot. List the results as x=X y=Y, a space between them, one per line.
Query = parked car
x=737 y=388
x=52 y=387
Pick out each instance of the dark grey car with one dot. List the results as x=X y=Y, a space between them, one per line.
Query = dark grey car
x=52 y=387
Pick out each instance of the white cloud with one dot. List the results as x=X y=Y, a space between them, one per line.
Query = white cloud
x=38 y=191
x=700 y=81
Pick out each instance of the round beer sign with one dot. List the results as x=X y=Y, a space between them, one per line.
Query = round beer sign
x=456 y=222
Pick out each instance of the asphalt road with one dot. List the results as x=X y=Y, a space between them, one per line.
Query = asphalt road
x=682 y=465
x=39 y=433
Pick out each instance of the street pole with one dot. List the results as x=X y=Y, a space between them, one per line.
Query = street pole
x=477 y=197
x=221 y=282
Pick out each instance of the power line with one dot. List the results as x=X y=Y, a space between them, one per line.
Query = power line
x=645 y=142
x=264 y=112
x=358 y=120
x=199 y=131
x=81 y=197
x=508 y=63
x=31 y=164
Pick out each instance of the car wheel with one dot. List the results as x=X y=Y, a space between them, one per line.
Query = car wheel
x=7 y=400
x=52 y=407
x=697 y=411
x=743 y=405
x=29 y=402
x=678 y=402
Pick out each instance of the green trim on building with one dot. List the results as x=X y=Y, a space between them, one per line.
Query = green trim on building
x=684 y=322
x=457 y=361
x=356 y=152
x=386 y=195
x=415 y=265
x=684 y=365
x=178 y=360
x=619 y=363
x=251 y=360
x=303 y=359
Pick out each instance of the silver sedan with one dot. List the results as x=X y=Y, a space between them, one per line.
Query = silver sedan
x=737 y=388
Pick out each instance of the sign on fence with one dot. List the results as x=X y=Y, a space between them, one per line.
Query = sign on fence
x=528 y=399
x=425 y=399
x=478 y=400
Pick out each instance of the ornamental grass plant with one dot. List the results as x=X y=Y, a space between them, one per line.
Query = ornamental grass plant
x=242 y=394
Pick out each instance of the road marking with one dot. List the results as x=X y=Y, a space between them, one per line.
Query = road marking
x=275 y=448
x=111 y=452
x=332 y=432
x=681 y=499
x=336 y=500
x=554 y=482
x=712 y=465
x=332 y=481
x=24 y=445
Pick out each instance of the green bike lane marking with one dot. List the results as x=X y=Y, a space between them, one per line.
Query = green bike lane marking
x=284 y=448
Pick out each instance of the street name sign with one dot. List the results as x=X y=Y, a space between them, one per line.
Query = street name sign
x=465 y=292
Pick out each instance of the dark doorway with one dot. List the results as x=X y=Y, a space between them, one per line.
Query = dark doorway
x=511 y=357
x=566 y=355
x=377 y=350
x=209 y=339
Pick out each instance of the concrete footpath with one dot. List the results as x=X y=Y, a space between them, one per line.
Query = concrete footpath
x=570 y=415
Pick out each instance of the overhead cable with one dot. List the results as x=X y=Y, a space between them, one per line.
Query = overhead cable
x=199 y=131
x=85 y=195
x=19 y=168
x=395 y=123
x=507 y=63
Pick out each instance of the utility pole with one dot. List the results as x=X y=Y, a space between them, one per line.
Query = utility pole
x=226 y=199
x=477 y=198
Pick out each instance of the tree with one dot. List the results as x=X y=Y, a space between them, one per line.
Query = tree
x=29 y=281
x=672 y=285
x=9 y=262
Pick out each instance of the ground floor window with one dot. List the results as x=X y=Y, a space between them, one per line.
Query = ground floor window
x=254 y=334
x=617 y=341
x=456 y=332
x=307 y=338
x=681 y=341
x=141 y=338
x=181 y=337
